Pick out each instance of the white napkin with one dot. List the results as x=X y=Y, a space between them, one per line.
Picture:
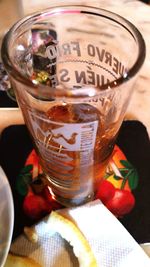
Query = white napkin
x=112 y=245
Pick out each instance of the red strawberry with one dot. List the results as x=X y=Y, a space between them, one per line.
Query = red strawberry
x=106 y=191
x=121 y=203
x=35 y=206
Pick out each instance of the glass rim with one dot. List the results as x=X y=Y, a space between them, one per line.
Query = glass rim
x=84 y=9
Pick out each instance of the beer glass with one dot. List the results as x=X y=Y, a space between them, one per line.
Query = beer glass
x=72 y=68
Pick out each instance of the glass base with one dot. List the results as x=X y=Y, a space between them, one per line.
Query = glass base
x=73 y=202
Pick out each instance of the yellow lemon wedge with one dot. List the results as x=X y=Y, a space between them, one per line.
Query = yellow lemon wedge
x=71 y=233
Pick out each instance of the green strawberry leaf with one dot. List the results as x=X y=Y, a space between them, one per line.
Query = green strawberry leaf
x=126 y=164
x=133 y=179
x=22 y=184
x=123 y=172
x=27 y=169
x=116 y=177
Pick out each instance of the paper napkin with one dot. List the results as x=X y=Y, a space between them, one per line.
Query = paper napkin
x=111 y=243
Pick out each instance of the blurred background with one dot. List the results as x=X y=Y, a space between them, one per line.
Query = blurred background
x=138 y=12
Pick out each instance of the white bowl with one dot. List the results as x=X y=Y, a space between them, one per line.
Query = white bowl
x=6 y=217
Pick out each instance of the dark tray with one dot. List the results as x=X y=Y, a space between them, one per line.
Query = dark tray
x=133 y=140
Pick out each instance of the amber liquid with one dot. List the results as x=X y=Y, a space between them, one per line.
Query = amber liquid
x=74 y=148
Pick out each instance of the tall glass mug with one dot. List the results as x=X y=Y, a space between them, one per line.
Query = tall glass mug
x=72 y=68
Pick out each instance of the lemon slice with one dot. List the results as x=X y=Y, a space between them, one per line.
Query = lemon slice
x=71 y=233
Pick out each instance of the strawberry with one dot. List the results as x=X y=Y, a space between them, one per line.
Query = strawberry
x=121 y=203
x=35 y=206
x=105 y=191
